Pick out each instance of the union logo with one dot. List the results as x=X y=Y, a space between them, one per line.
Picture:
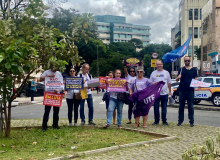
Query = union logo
x=132 y=60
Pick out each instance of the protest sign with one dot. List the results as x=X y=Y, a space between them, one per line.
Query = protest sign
x=93 y=83
x=132 y=61
x=116 y=85
x=84 y=94
x=54 y=83
x=73 y=83
x=196 y=83
x=102 y=81
x=52 y=99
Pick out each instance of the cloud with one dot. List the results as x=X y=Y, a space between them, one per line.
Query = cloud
x=160 y=15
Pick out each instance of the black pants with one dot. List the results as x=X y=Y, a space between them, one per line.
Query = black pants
x=32 y=95
x=70 y=104
x=130 y=106
x=55 y=116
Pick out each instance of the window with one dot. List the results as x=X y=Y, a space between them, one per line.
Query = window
x=196 y=32
x=190 y=14
x=196 y=14
x=200 y=14
x=189 y=51
x=199 y=79
x=190 y=30
x=217 y=80
x=208 y=80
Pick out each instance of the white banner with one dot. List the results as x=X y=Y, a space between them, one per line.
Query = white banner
x=196 y=84
x=54 y=83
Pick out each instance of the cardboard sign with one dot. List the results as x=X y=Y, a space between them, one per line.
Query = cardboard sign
x=102 y=81
x=132 y=61
x=93 y=83
x=52 y=99
x=84 y=94
x=54 y=83
x=196 y=84
x=116 y=85
x=73 y=83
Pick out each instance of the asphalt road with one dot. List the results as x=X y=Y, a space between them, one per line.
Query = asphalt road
x=202 y=117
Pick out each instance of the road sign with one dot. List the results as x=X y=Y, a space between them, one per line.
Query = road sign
x=153 y=62
x=154 y=55
x=206 y=66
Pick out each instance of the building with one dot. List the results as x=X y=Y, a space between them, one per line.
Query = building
x=210 y=47
x=191 y=11
x=115 y=29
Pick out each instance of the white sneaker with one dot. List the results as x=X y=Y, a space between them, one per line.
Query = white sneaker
x=33 y=102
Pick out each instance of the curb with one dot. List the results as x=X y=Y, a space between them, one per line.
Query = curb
x=107 y=149
x=197 y=107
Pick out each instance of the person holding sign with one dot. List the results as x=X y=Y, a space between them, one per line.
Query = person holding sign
x=73 y=99
x=185 y=75
x=53 y=74
x=115 y=101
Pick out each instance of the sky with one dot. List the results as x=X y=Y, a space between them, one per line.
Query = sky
x=160 y=15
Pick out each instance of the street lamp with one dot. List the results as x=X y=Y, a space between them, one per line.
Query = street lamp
x=98 y=60
x=192 y=54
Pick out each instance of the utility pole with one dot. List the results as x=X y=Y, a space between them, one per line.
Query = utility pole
x=8 y=8
x=98 y=61
x=192 y=55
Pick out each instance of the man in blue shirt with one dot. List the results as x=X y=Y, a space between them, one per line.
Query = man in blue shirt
x=33 y=89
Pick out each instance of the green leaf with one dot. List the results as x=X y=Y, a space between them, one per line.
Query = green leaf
x=8 y=66
x=20 y=69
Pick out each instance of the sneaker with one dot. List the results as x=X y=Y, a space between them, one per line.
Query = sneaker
x=191 y=125
x=91 y=123
x=70 y=124
x=128 y=123
x=75 y=124
x=165 y=123
x=44 y=129
x=82 y=123
x=179 y=124
x=33 y=102
x=155 y=123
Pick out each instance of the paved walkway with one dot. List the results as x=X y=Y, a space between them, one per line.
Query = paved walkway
x=173 y=150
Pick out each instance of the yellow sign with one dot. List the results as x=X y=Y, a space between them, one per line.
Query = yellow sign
x=153 y=62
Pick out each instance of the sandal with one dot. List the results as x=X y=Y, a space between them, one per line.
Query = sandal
x=136 y=125
x=119 y=127
x=144 y=126
x=106 y=126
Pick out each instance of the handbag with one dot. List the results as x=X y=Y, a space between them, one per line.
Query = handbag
x=122 y=96
x=106 y=96
x=77 y=96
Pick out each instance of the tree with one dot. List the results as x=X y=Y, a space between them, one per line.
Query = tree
x=137 y=42
x=198 y=52
x=25 y=48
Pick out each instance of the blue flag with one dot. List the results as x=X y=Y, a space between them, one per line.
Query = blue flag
x=177 y=53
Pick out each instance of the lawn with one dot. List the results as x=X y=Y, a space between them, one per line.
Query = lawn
x=34 y=144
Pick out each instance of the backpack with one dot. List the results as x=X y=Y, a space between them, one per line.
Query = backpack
x=90 y=77
x=29 y=84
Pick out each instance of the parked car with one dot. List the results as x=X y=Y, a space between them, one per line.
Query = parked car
x=14 y=102
x=209 y=94
x=26 y=92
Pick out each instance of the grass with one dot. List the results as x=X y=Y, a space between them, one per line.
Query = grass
x=34 y=144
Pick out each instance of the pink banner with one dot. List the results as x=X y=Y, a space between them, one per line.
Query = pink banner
x=116 y=85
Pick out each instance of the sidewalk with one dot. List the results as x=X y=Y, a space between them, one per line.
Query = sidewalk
x=202 y=106
x=187 y=136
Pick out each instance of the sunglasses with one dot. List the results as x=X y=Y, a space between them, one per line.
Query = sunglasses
x=139 y=71
x=187 y=60
x=72 y=71
x=132 y=71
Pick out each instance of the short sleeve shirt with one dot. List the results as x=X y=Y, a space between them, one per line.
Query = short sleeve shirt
x=140 y=84
x=186 y=78
x=33 y=88
x=87 y=78
x=164 y=76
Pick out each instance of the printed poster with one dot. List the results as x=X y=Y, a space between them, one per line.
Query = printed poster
x=116 y=85
x=132 y=61
x=54 y=83
x=73 y=83
x=52 y=99
x=102 y=81
x=196 y=84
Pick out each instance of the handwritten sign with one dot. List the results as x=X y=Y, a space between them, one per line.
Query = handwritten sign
x=73 y=83
x=116 y=85
x=196 y=83
x=132 y=62
x=54 y=83
x=102 y=81
x=52 y=99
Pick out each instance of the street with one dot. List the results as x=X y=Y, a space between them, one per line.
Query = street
x=35 y=111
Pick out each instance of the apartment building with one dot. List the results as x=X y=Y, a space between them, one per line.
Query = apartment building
x=115 y=29
x=210 y=44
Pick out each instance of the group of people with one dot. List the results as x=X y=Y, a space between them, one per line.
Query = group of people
x=135 y=82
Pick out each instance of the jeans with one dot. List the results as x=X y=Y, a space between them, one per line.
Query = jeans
x=119 y=104
x=32 y=94
x=90 y=106
x=73 y=103
x=164 y=100
x=55 y=116
x=183 y=96
x=130 y=107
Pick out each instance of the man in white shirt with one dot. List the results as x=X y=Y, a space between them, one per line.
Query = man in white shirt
x=161 y=75
x=87 y=77
x=51 y=73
